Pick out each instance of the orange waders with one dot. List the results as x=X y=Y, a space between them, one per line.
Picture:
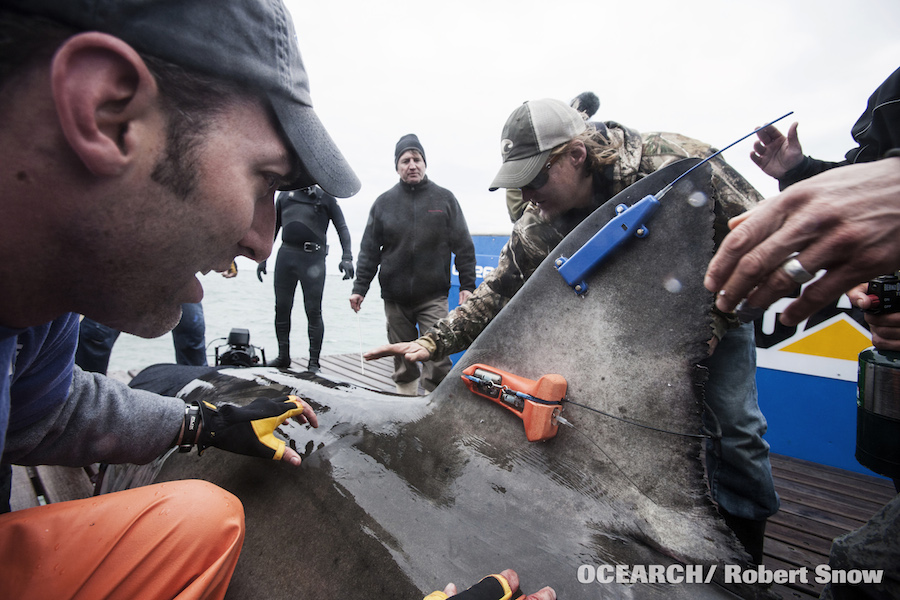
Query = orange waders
x=179 y=539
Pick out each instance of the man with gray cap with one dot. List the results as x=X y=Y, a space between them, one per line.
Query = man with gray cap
x=567 y=168
x=587 y=103
x=169 y=125
x=412 y=230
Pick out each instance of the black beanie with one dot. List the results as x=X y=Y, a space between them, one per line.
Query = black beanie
x=408 y=142
x=586 y=102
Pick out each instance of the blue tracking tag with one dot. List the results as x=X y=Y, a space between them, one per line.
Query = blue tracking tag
x=629 y=221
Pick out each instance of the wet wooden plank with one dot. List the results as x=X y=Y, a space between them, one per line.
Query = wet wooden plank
x=818 y=514
x=832 y=501
x=792 y=555
x=377 y=374
x=22 y=494
x=866 y=488
x=833 y=474
x=796 y=590
x=810 y=522
x=818 y=503
x=65 y=483
x=786 y=593
x=374 y=374
x=809 y=542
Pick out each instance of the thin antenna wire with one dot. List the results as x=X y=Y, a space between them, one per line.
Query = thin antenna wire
x=712 y=156
x=362 y=363
x=615 y=464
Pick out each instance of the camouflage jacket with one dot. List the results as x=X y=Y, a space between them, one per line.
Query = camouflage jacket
x=534 y=238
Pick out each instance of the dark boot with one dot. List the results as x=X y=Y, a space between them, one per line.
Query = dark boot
x=283 y=335
x=749 y=532
x=314 y=352
x=283 y=360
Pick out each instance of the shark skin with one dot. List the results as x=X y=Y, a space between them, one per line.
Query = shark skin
x=399 y=495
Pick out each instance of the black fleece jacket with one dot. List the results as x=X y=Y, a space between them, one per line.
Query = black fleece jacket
x=412 y=230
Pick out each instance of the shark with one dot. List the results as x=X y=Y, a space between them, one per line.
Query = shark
x=398 y=495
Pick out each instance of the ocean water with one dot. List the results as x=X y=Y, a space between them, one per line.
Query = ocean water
x=244 y=302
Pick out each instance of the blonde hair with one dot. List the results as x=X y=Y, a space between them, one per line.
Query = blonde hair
x=599 y=154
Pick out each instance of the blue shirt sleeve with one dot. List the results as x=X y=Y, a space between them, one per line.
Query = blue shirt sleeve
x=40 y=361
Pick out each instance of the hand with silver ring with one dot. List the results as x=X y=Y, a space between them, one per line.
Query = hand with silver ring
x=844 y=220
x=795 y=271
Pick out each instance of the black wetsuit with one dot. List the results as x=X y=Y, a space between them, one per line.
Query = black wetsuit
x=303 y=217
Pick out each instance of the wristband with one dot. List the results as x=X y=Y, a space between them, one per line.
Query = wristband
x=191 y=428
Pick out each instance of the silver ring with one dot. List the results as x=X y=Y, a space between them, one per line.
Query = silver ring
x=795 y=271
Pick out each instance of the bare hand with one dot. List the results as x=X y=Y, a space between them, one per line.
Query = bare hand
x=776 y=154
x=411 y=351
x=844 y=220
x=858 y=296
x=885 y=328
x=463 y=296
x=356 y=301
x=512 y=578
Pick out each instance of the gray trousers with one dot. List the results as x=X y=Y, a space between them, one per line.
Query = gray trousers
x=402 y=322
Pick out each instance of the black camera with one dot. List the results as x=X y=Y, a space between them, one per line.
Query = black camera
x=884 y=292
x=240 y=353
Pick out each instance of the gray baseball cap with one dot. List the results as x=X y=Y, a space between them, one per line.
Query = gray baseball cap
x=251 y=42
x=530 y=133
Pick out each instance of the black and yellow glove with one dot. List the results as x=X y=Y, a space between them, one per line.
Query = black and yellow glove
x=247 y=429
x=492 y=587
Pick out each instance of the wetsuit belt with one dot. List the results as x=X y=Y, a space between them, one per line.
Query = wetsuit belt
x=308 y=246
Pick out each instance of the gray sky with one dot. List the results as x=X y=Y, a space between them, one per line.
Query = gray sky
x=452 y=72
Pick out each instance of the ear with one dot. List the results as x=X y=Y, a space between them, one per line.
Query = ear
x=578 y=153
x=102 y=88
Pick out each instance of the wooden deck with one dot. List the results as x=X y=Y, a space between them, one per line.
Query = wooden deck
x=818 y=503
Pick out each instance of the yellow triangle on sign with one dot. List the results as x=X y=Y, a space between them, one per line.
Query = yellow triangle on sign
x=838 y=340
